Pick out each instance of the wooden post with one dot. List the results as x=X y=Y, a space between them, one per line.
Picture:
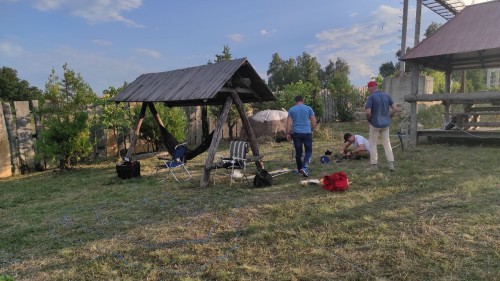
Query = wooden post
x=131 y=149
x=246 y=124
x=415 y=74
x=38 y=132
x=403 y=38
x=447 y=89
x=156 y=116
x=205 y=176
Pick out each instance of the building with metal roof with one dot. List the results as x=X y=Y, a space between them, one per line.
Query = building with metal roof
x=467 y=41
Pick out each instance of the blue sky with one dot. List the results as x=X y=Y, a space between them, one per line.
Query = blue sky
x=112 y=41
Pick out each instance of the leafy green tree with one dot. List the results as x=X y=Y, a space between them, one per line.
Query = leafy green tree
x=14 y=89
x=387 y=69
x=431 y=29
x=281 y=73
x=174 y=119
x=475 y=80
x=114 y=116
x=64 y=116
x=345 y=97
x=326 y=75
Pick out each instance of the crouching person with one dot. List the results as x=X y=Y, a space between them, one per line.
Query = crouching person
x=359 y=148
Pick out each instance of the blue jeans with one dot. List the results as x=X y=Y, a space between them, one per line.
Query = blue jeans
x=299 y=141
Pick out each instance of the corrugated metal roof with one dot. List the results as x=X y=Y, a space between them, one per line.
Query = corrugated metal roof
x=470 y=40
x=201 y=85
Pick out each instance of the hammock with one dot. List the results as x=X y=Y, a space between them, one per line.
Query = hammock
x=171 y=142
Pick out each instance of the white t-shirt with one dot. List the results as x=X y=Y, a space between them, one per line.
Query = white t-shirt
x=360 y=140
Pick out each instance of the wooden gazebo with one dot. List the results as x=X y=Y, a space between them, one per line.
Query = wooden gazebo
x=468 y=41
x=224 y=83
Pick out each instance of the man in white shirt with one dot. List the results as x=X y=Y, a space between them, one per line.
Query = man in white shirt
x=360 y=147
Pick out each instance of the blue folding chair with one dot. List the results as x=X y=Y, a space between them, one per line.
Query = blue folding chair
x=178 y=161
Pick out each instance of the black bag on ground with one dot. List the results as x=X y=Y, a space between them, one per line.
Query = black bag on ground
x=262 y=179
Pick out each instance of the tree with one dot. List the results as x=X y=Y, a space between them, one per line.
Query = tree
x=326 y=75
x=14 y=89
x=431 y=29
x=281 y=73
x=308 y=69
x=345 y=98
x=114 y=116
x=64 y=115
x=174 y=119
x=387 y=69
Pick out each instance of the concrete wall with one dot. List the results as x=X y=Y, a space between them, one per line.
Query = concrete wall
x=400 y=86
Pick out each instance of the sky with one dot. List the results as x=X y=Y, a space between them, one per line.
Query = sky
x=110 y=42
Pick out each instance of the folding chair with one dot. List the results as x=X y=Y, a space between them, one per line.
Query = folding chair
x=178 y=160
x=236 y=160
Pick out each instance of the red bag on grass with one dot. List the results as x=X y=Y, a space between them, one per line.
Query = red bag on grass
x=336 y=182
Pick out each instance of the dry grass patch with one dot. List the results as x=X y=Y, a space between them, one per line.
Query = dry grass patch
x=436 y=217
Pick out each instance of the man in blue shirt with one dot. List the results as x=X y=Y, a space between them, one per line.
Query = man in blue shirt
x=301 y=122
x=379 y=110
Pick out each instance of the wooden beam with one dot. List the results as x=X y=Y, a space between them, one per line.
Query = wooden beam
x=483 y=97
x=246 y=124
x=459 y=133
x=205 y=176
x=415 y=74
x=482 y=124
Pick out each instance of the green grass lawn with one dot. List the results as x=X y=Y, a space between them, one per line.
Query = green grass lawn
x=437 y=217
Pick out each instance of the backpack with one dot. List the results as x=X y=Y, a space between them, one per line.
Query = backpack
x=336 y=182
x=262 y=178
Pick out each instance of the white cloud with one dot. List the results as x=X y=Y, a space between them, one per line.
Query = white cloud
x=236 y=37
x=10 y=49
x=98 y=70
x=364 y=45
x=94 y=11
x=149 y=53
x=101 y=42
x=265 y=32
x=47 y=5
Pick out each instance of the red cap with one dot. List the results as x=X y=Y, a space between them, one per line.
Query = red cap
x=372 y=84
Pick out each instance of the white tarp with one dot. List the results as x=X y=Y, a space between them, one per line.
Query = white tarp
x=270 y=115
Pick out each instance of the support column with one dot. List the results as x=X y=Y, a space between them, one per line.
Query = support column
x=415 y=75
x=205 y=176
x=246 y=124
x=447 y=89
x=403 y=38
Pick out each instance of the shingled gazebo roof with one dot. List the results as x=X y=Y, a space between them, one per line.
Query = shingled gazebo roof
x=208 y=84
x=470 y=40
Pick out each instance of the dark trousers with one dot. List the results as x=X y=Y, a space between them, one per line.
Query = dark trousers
x=301 y=141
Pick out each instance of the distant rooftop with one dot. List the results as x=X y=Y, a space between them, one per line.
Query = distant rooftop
x=468 y=41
